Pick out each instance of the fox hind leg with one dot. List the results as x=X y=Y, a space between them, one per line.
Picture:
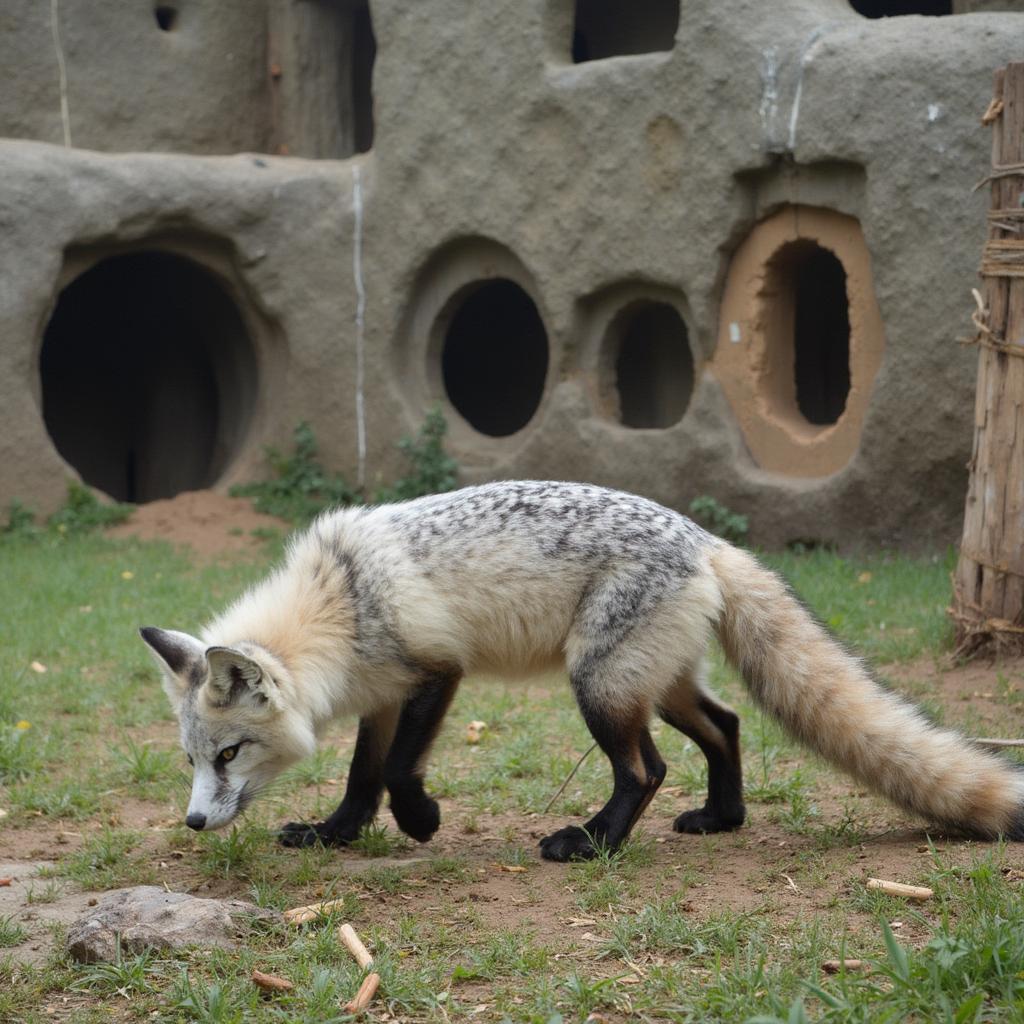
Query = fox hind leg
x=637 y=771
x=715 y=728
x=362 y=792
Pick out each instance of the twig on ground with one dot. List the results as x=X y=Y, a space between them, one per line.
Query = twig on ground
x=300 y=915
x=835 y=966
x=910 y=892
x=368 y=989
x=347 y=936
x=568 y=778
x=365 y=995
x=270 y=983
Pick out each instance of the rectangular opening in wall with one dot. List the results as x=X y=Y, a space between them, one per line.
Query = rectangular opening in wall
x=613 y=28
x=321 y=58
x=364 y=52
x=896 y=8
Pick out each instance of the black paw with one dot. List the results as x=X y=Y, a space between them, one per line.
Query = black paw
x=298 y=833
x=418 y=816
x=703 y=821
x=569 y=843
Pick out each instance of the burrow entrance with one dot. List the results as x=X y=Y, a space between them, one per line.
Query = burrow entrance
x=811 y=321
x=148 y=376
x=494 y=357
x=611 y=28
x=648 y=365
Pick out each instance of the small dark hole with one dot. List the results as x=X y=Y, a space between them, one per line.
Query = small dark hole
x=166 y=17
x=898 y=8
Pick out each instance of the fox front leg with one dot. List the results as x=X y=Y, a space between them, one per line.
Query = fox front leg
x=417 y=814
x=362 y=792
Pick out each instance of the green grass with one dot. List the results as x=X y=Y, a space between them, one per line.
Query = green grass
x=655 y=931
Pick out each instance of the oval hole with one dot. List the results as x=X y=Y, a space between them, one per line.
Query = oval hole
x=812 y=307
x=148 y=376
x=494 y=361
x=650 y=349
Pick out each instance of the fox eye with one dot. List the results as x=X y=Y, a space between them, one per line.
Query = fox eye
x=228 y=753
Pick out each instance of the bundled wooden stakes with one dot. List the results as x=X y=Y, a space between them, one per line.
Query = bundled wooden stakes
x=350 y=940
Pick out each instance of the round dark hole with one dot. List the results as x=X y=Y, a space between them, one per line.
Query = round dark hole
x=653 y=365
x=809 y=284
x=495 y=357
x=895 y=8
x=148 y=376
x=166 y=16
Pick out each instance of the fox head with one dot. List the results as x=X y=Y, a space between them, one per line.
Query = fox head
x=237 y=728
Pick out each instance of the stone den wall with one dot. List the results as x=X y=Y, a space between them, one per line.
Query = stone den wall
x=681 y=248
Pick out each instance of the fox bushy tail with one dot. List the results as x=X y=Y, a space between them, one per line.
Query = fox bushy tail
x=826 y=698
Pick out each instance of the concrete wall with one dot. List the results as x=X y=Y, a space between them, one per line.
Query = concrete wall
x=621 y=183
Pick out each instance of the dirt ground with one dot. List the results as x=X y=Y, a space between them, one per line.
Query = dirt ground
x=209 y=524
x=762 y=868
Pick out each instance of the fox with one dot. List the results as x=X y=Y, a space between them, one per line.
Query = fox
x=379 y=612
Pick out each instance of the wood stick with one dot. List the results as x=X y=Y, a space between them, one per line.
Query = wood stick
x=365 y=995
x=568 y=778
x=352 y=942
x=910 y=892
x=835 y=966
x=270 y=983
x=300 y=915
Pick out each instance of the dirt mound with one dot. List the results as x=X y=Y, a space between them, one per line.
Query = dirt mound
x=209 y=523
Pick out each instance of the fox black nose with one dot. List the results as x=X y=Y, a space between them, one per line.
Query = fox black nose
x=196 y=821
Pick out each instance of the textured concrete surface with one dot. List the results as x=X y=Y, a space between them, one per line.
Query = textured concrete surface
x=589 y=185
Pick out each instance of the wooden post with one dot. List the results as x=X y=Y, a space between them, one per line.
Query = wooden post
x=989 y=580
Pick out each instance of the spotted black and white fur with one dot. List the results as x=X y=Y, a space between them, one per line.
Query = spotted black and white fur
x=380 y=612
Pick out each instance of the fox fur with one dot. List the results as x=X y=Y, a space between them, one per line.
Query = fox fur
x=381 y=611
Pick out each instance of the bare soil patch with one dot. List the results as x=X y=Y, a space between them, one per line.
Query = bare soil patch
x=210 y=524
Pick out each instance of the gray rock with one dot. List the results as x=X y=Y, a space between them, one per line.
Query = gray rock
x=148 y=917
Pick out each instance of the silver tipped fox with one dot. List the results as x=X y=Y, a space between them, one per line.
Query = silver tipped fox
x=826 y=699
x=381 y=612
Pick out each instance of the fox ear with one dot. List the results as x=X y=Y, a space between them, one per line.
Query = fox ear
x=236 y=679
x=181 y=657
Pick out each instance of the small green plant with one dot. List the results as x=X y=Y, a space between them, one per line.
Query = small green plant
x=49 y=893
x=230 y=854
x=122 y=977
x=433 y=469
x=83 y=512
x=301 y=487
x=19 y=757
x=21 y=521
x=143 y=763
x=321 y=768
x=374 y=840
x=103 y=862
x=516 y=857
x=714 y=516
x=208 y=1004
x=11 y=933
